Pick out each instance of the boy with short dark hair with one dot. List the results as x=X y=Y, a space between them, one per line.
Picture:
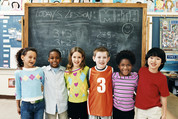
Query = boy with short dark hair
x=55 y=90
x=152 y=91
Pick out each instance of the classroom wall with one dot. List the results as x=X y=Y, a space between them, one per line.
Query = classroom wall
x=169 y=48
x=5 y=74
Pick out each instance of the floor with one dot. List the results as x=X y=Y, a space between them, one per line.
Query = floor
x=8 y=108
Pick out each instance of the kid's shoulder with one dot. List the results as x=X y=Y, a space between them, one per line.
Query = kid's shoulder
x=43 y=67
x=144 y=68
x=86 y=67
x=111 y=68
x=63 y=68
x=39 y=69
x=17 y=72
x=115 y=74
x=162 y=75
x=134 y=73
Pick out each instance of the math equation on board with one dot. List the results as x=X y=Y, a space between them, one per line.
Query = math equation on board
x=86 y=27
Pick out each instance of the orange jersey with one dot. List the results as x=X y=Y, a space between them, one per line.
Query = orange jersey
x=100 y=101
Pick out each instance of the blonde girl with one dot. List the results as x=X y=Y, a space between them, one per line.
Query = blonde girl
x=28 y=82
x=76 y=80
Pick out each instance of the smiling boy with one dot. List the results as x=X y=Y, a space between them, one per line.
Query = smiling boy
x=100 y=99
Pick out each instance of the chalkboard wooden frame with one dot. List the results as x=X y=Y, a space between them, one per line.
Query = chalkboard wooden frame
x=121 y=5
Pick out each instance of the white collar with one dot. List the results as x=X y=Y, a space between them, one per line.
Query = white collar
x=60 y=68
x=30 y=69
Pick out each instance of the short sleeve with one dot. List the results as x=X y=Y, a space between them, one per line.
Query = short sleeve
x=164 y=91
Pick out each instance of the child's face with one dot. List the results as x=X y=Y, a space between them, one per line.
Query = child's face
x=54 y=59
x=125 y=67
x=76 y=59
x=101 y=59
x=154 y=63
x=29 y=59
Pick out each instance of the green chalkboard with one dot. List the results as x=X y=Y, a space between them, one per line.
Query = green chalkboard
x=63 y=27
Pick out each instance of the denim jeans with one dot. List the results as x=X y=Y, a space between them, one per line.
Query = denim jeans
x=32 y=111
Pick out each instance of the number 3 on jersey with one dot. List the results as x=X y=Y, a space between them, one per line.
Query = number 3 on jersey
x=102 y=87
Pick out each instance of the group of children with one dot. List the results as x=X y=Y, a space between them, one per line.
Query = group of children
x=80 y=92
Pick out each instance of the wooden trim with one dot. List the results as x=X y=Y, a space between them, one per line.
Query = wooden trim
x=132 y=5
x=163 y=14
x=137 y=5
x=156 y=15
x=26 y=27
x=144 y=36
x=22 y=27
x=7 y=97
x=148 y=34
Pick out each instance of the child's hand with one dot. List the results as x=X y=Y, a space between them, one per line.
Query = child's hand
x=42 y=88
x=18 y=106
x=163 y=116
x=18 y=110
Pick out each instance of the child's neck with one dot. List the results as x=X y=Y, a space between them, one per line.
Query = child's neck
x=55 y=67
x=153 y=70
x=29 y=67
x=120 y=74
x=73 y=68
x=98 y=68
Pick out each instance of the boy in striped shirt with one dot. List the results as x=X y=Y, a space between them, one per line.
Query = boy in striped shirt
x=124 y=86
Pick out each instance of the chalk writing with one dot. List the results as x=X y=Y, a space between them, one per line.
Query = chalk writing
x=85 y=27
x=104 y=34
x=46 y=14
x=127 y=29
x=105 y=15
x=112 y=15
x=87 y=15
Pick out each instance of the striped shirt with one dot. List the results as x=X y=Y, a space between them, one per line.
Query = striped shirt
x=124 y=87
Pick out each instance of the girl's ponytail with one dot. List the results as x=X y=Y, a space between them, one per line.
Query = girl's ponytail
x=18 y=58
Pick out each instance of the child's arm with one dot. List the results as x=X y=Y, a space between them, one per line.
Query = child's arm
x=18 y=85
x=66 y=80
x=164 y=107
x=42 y=78
x=18 y=90
x=18 y=106
x=137 y=78
x=88 y=78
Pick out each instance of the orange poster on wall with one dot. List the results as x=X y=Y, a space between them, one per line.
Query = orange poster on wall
x=11 y=82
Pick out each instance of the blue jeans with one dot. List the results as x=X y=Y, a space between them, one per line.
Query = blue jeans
x=32 y=111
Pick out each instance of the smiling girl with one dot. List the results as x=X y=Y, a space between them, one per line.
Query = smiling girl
x=28 y=82
x=76 y=79
x=124 y=86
